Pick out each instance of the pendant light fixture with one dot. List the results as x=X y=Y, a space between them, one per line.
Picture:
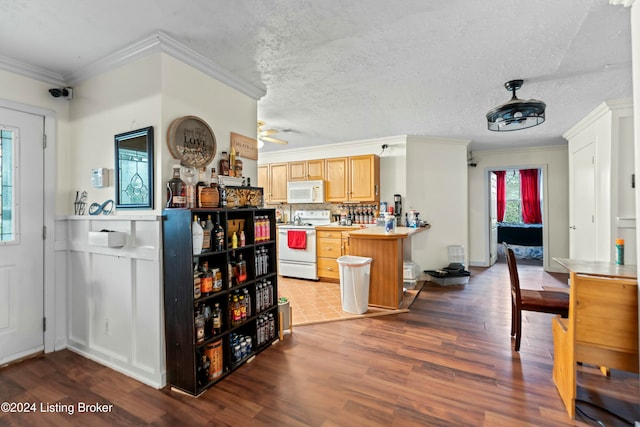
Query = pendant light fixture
x=517 y=113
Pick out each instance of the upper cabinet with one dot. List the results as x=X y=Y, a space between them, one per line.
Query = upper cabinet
x=306 y=170
x=347 y=179
x=353 y=179
x=273 y=179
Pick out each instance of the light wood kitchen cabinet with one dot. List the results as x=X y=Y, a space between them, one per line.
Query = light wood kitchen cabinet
x=353 y=179
x=273 y=179
x=306 y=170
x=331 y=244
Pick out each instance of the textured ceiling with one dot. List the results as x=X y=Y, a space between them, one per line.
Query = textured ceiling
x=338 y=71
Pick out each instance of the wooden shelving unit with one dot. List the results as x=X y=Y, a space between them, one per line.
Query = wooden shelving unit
x=184 y=353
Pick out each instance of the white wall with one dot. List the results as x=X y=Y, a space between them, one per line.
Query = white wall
x=117 y=101
x=437 y=186
x=556 y=199
x=152 y=91
x=187 y=91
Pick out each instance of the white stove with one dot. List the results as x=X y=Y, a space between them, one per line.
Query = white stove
x=297 y=244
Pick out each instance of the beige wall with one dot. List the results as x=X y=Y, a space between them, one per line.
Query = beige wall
x=556 y=198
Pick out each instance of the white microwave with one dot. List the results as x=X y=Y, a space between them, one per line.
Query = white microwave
x=305 y=192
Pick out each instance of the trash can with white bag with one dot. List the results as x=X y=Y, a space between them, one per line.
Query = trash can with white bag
x=355 y=272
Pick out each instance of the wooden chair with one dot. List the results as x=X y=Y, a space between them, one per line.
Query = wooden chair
x=555 y=302
x=602 y=330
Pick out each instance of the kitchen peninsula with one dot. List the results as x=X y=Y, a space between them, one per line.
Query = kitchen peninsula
x=388 y=251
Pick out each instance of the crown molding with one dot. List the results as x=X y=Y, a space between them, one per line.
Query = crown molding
x=37 y=73
x=162 y=42
x=157 y=42
x=618 y=105
x=625 y=3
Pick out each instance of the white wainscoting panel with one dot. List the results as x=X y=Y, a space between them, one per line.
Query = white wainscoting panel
x=114 y=295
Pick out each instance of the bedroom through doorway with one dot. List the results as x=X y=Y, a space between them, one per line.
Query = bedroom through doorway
x=517 y=214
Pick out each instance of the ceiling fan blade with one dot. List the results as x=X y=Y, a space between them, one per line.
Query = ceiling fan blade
x=267 y=132
x=274 y=140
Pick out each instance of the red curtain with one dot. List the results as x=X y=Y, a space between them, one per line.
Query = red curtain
x=502 y=194
x=530 y=196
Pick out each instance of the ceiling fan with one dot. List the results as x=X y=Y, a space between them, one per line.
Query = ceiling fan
x=265 y=135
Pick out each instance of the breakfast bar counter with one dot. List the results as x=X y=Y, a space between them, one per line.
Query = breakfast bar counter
x=388 y=251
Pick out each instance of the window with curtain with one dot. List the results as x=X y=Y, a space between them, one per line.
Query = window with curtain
x=519 y=196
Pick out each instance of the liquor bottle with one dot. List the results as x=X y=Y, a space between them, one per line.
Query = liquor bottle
x=236 y=318
x=237 y=166
x=217 y=279
x=222 y=189
x=208 y=321
x=243 y=308
x=199 y=321
x=176 y=190
x=218 y=233
x=232 y=162
x=217 y=320
x=242 y=239
x=231 y=272
x=234 y=240
x=197 y=236
x=224 y=164
x=247 y=300
x=202 y=183
x=241 y=270
x=206 y=279
x=208 y=229
x=189 y=175
x=197 y=293
x=214 y=179
x=202 y=373
x=206 y=236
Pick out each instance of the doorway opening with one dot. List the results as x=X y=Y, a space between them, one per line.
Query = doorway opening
x=517 y=212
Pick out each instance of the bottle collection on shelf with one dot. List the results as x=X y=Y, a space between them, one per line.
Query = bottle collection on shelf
x=206 y=192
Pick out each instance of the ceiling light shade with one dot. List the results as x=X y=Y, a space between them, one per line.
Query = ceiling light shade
x=517 y=113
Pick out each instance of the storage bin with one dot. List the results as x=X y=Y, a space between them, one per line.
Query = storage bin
x=411 y=270
x=456 y=254
x=106 y=238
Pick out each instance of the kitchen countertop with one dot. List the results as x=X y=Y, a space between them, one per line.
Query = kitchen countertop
x=379 y=232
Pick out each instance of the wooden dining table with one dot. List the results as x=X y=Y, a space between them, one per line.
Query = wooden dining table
x=602 y=327
x=598 y=268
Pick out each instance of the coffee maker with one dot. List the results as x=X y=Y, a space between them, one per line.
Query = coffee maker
x=397 y=208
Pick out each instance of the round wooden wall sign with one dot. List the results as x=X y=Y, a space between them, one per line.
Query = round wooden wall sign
x=191 y=141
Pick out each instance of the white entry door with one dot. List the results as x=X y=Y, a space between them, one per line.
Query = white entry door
x=582 y=204
x=493 y=218
x=21 y=234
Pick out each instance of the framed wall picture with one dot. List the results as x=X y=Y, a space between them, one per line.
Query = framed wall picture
x=134 y=169
x=191 y=140
x=245 y=147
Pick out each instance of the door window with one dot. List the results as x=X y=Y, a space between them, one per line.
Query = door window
x=8 y=136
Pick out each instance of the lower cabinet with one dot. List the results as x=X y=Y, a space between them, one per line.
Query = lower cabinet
x=220 y=304
x=331 y=245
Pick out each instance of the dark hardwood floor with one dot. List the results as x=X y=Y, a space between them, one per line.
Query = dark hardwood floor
x=449 y=362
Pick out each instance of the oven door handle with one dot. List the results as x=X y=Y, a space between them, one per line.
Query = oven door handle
x=309 y=232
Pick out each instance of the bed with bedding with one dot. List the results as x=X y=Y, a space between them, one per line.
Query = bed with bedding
x=524 y=239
